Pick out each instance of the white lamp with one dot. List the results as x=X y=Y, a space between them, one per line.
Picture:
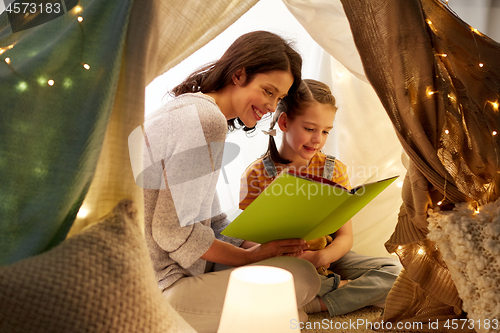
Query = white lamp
x=259 y=299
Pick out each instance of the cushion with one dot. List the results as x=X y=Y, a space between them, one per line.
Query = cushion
x=469 y=241
x=100 y=280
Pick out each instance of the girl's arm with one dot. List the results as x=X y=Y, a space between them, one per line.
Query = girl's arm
x=335 y=250
x=228 y=254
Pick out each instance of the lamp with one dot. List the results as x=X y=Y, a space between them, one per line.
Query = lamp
x=259 y=299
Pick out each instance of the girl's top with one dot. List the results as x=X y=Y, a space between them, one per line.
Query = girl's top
x=185 y=140
x=256 y=178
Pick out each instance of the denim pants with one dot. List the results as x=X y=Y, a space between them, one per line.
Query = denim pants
x=372 y=279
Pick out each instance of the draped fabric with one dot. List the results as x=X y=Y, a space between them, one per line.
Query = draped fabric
x=65 y=144
x=439 y=81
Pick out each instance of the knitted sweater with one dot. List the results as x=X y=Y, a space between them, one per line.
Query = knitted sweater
x=185 y=138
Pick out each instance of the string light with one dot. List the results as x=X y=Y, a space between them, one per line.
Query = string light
x=80 y=19
x=439 y=203
x=444 y=55
x=428 y=21
x=481 y=64
x=447 y=131
x=7 y=60
x=86 y=66
x=82 y=213
x=495 y=105
x=77 y=9
x=494 y=133
x=50 y=82
x=400 y=247
x=430 y=93
x=421 y=251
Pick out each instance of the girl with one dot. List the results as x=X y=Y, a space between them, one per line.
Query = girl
x=358 y=280
x=186 y=136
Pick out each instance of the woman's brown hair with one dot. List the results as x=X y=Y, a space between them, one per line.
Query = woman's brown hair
x=309 y=92
x=256 y=52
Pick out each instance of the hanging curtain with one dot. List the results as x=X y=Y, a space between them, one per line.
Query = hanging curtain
x=439 y=81
x=64 y=142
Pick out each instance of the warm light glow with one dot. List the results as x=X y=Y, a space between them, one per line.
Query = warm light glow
x=474 y=30
x=269 y=305
x=439 y=203
x=7 y=60
x=481 y=64
x=2 y=51
x=421 y=251
x=400 y=247
x=450 y=96
x=430 y=93
x=495 y=105
x=26 y=15
x=80 y=19
x=82 y=213
x=78 y=9
x=86 y=66
x=428 y=21
x=50 y=82
x=10 y=47
x=494 y=133
x=399 y=184
x=444 y=55
x=447 y=131
x=22 y=86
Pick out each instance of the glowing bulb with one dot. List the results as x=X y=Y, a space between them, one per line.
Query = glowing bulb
x=82 y=213
x=430 y=93
x=22 y=86
x=447 y=131
x=474 y=30
x=495 y=105
x=428 y=21
x=78 y=9
x=481 y=64
x=439 y=203
x=7 y=60
x=10 y=47
x=394 y=254
x=420 y=251
x=80 y=19
x=494 y=133
x=400 y=247
x=2 y=51
x=444 y=55
x=50 y=82
x=86 y=66
x=399 y=184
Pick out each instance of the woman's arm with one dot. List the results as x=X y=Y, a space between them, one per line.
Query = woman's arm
x=228 y=254
x=335 y=250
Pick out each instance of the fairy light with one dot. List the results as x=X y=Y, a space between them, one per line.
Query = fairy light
x=400 y=247
x=7 y=61
x=421 y=251
x=495 y=105
x=86 y=66
x=450 y=96
x=50 y=82
x=77 y=9
x=439 y=203
x=474 y=30
x=80 y=19
x=447 y=131
x=428 y=21
x=10 y=47
x=399 y=184
x=444 y=55
x=430 y=93
x=481 y=64
x=2 y=51
x=82 y=213
x=494 y=133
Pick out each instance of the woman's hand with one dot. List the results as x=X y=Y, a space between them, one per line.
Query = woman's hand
x=282 y=247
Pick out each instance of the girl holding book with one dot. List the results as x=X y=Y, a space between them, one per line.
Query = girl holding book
x=185 y=138
x=357 y=280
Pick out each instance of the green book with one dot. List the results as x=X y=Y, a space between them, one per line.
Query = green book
x=301 y=206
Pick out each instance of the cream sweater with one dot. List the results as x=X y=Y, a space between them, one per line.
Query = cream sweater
x=182 y=214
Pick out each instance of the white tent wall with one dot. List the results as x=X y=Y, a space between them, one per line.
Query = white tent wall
x=363 y=136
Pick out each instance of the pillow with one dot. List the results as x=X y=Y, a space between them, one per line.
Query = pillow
x=100 y=280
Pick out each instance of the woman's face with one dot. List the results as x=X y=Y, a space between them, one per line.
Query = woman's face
x=251 y=101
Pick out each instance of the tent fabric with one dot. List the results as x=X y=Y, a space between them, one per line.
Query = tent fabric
x=438 y=80
x=51 y=136
x=65 y=143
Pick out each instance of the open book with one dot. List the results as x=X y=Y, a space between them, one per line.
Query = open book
x=301 y=206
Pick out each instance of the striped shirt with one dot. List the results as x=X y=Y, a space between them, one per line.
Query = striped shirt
x=255 y=178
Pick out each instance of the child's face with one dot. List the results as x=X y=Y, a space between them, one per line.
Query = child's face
x=252 y=101
x=307 y=134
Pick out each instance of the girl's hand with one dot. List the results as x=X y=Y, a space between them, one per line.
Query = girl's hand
x=282 y=247
x=315 y=257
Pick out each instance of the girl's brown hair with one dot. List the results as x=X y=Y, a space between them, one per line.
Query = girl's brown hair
x=256 y=52
x=309 y=91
